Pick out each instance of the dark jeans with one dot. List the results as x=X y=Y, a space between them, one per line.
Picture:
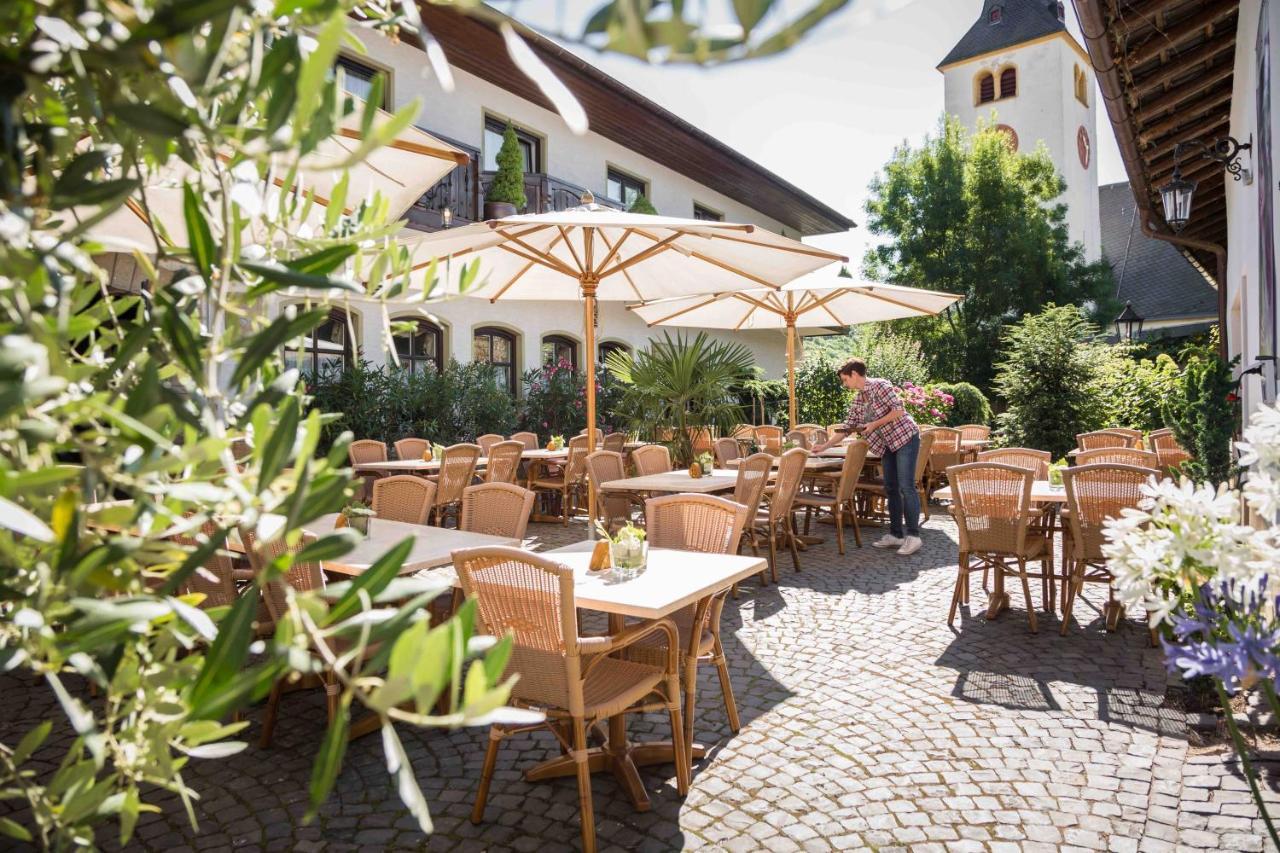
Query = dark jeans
x=899 y=468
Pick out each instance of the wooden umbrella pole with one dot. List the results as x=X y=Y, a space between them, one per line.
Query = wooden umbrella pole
x=589 y=342
x=791 y=371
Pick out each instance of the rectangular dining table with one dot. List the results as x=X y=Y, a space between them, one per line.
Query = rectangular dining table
x=432 y=546
x=676 y=482
x=406 y=466
x=812 y=464
x=672 y=580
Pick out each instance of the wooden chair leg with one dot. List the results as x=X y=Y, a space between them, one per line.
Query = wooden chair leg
x=730 y=704
x=269 y=717
x=1026 y=592
x=681 y=749
x=962 y=572
x=1068 y=598
x=857 y=525
x=791 y=542
x=486 y=774
x=839 y=514
x=773 y=553
x=584 y=786
x=690 y=696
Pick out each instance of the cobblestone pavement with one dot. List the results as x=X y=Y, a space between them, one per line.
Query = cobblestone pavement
x=867 y=723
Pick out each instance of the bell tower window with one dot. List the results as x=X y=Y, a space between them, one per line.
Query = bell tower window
x=986 y=87
x=1008 y=82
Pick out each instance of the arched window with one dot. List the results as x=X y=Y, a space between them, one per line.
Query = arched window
x=498 y=348
x=421 y=350
x=1081 y=85
x=1008 y=82
x=608 y=347
x=326 y=349
x=986 y=87
x=558 y=348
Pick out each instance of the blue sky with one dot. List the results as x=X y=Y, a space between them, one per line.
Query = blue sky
x=827 y=114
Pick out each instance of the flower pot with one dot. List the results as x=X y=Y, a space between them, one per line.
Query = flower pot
x=499 y=209
x=359 y=523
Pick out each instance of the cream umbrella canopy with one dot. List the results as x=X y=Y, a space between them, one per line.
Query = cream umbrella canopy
x=594 y=252
x=818 y=300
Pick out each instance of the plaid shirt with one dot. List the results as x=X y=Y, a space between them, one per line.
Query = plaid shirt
x=877 y=399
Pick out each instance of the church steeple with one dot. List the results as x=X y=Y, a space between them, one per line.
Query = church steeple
x=1006 y=23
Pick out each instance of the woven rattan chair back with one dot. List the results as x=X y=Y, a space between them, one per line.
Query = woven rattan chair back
x=1095 y=493
x=790 y=473
x=753 y=476
x=1135 y=434
x=367 y=450
x=727 y=450
x=701 y=441
x=301 y=577
x=487 y=441
x=1118 y=456
x=798 y=437
x=704 y=523
x=744 y=432
x=770 y=438
x=1169 y=454
x=411 y=448
x=579 y=440
x=651 y=459
x=457 y=470
x=575 y=468
x=496 y=509
x=1105 y=438
x=974 y=432
x=404 y=497
x=1036 y=461
x=924 y=456
x=528 y=439
x=504 y=462
x=946 y=441
x=216 y=582
x=855 y=457
x=530 y=596
x=615 y=442
x=816 y=433
x=992 y=506
x=604 y=466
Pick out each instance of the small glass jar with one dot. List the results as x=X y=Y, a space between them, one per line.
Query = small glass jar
x=629 y=556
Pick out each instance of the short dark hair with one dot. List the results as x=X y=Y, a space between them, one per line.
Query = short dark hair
x=854 y=365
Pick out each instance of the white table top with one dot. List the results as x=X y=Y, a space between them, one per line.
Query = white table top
x=543 y=453
x=718 y=480
x=1041 y=493
x=432 y=546
x=813 y=463
x=407 y=465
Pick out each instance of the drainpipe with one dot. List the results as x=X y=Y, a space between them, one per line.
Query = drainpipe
x=1093 y=27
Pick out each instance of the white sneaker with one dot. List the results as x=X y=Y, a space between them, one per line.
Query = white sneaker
x=910 y=546
x=887 y=541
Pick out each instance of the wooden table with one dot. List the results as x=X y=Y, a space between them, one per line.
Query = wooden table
x=718 y=480
x=672 y=580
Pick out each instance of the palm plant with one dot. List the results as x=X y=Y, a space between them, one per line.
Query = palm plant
x=677 y=387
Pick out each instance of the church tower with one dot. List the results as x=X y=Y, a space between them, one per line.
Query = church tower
x=1019 y=63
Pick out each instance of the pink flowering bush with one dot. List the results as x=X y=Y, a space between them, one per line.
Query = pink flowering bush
x=925 y=405
x=555 y=399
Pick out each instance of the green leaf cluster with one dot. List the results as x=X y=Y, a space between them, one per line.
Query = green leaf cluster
x=507 y=185
x=643 y=205
x=968 y=406
x=1204 y=412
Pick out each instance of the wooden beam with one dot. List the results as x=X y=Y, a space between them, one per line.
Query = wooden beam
x=1189 y=113
x=1194 y=167
x=1184 y=92
x=1156 y=153
x=1181 y=32
x=1183 y=63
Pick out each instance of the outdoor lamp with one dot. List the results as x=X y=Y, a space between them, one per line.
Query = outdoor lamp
x=446 y=217
x=1129 y=323
x=1177 y=194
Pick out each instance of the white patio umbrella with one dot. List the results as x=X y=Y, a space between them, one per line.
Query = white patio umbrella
x=401 y=171
x=818 y=300
x=594 y=252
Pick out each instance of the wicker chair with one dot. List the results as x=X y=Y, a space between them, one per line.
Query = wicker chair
x=404 y=497
x=1169 y=454
x=1118 y=456
x=1106 y=438
x=748 y=490
x=528 y=439
x=1035 y=461
x=944 y=452
x=708 y=525
x=612 y=508
x=457 y=470
x=217 y=582
x=775 y=523
x=798 y=437
x=840 y=501
x=504 y=462
x=651 y=459
x=497 y=509
x=769 y=438
x=974 y=432
x=815 y=433
x=363 y=451
x=727 y=450
x=411 y=448
x=615 y=442
x=566 y=480
x=1095 y=493
x=872 y=492
x=743 y=432
x=576 y=681
x=994 y=515
x=487 y=441
x=834 y=428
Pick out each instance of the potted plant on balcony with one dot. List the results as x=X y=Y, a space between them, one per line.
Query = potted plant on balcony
x=505 y=196
x=641 y=204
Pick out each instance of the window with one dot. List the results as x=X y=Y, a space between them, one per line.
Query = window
x=356 y=79
x=1008 y=82
x=997 y=13
x=1062 y=11
x=558 y=348
x=608 y=347
x=498 y=348
x=530 y=145
x=1081 y=85
x=986 y=88
x=624 y=188
x=423 y=350
x=706 y=213
x=326 y=349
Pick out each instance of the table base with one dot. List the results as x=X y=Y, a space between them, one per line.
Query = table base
x=623 y=763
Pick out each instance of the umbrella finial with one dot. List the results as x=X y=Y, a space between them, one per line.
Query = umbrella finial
x=586 y=198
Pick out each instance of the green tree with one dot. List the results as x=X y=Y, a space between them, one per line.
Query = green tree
x=1047 y=375
x=1203 y=413
x=821 y=397
x=1133 y=392
x=642 y=205
x=507 y=185
x=967 y=214
x=968 y=404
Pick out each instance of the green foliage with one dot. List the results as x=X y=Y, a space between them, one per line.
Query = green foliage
x=895 y=357
x=966 y=214
x=507 y=184
x=968 y=404
x=642 y=205
x=764 y=397
x=1132 y=391
x=676 y=386
x=387 y=403
x=1203 y=411
x=1046 y=376
x=821 y=397
x=141 y=398
x=555 y=400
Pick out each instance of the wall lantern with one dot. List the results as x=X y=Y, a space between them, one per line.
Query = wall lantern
x=446 y=217
x=1129 y=324
x=1176 y=195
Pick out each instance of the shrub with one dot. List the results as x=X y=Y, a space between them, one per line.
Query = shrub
x=821 y=397
x=642 y=205
x=1131 y=392
x=555 y=400
x=1203 y=412
x=508 y=182
x=1047 y=378
x=968 y=404
x=895 y=357
x=925 y=405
